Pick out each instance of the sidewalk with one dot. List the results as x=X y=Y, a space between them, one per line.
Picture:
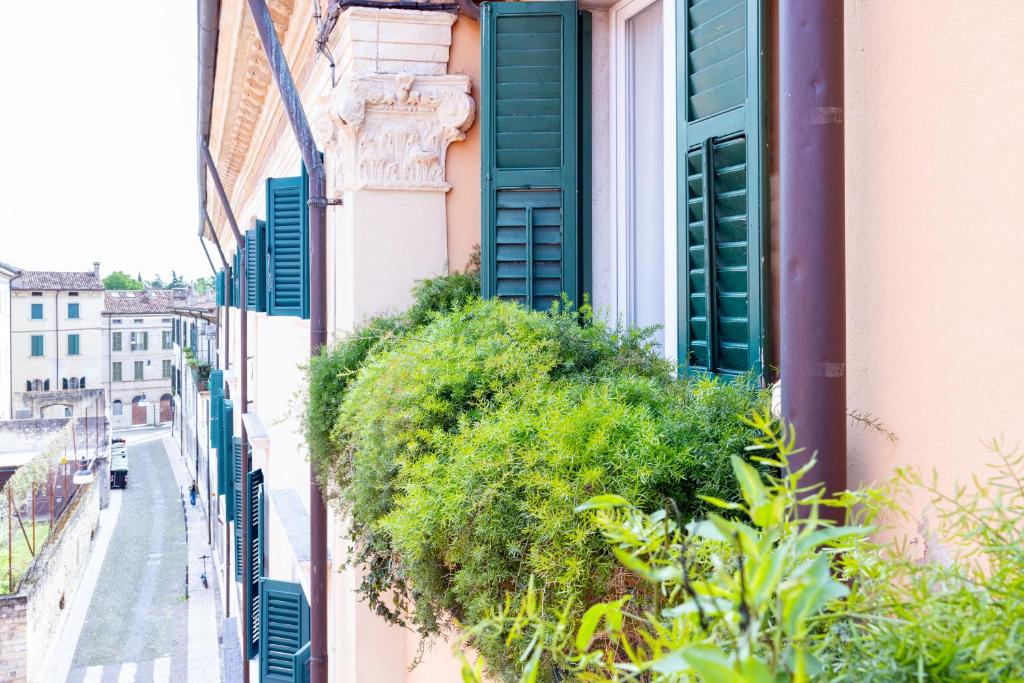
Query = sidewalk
x=204 y=661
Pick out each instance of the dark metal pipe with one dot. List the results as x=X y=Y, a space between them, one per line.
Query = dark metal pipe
x=317 y=313
x=243 y=381
x=812 y=190
x=207 y=252
x=216 y=242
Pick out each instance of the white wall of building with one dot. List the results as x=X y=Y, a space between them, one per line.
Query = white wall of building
x=5 y=344
x=157 y=357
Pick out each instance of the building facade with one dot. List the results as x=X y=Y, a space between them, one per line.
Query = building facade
x=7 y=273
x=57 y=335
x=141 y=355
x=628 y=151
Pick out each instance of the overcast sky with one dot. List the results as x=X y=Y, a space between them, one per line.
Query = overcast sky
x=97 y=136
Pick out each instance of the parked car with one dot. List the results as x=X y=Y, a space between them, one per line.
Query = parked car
x=118 y=464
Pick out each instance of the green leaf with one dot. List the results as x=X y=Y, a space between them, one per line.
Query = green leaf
x=719 y=503
x=671 y=663
x=607 y=501
x=710 y=663
x=750 y=482
x=588 y=625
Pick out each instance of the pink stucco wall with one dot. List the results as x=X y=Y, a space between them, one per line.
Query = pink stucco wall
x=935 y=279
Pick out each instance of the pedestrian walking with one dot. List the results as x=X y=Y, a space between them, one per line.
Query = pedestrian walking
x=193 y=491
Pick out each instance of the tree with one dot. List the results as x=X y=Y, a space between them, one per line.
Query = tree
x=202 y=285
x=121 y=280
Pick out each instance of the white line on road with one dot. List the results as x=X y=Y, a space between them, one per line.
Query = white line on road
x=162 y=670
x=127 y=673
x=94 y=674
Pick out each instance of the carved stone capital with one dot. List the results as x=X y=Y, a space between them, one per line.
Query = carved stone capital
x=392 y=131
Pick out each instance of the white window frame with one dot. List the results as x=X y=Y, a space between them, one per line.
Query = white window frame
x=619 y=14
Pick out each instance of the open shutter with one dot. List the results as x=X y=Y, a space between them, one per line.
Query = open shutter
x=227 y=433
x=284 y=615
x=254 y=501
x=288 y=246
x=722 y=213
x=532 y=185
x=256 y=267
x=218 y=288
x=216 y=398
x=237 y=502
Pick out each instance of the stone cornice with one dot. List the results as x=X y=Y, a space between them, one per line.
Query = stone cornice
x=392 y=131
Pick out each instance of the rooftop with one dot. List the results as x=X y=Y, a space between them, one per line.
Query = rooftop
x=57 y=280
x=142 y=301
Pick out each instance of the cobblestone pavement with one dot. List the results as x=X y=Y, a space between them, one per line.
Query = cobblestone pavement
x=136 y=628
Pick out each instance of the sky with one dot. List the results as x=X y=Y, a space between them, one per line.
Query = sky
x=97 y=137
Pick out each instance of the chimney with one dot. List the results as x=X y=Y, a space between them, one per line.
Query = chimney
x=96 y=268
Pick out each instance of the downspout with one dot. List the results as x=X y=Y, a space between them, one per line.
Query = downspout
x=317 y=312
x=243 y=372
x=207 y=252
x=813 y=277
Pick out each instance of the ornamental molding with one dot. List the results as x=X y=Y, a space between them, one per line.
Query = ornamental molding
x=392 y=131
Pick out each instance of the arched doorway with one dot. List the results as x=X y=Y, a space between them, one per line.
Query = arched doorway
x=166 y=408
x=138 y=411
x=117 y=409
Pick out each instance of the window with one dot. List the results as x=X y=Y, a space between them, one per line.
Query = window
x=166 y=369
x=145 y=341
x=72 y=311
x=115 y=372
x=37 y=293
x=256 y=267
x=117 y=409
x=117 y=343
x=37 y=344
x=139 y=370
x=118 y=321
x=165 y=320
x=535 y=177
x=67 y=411
x=640 y=156
x=38 y=385
x=73 y=383
x=72 y=293
x=73 y=345
x=138 y=321
x=721 y=169
x=166 y=339
x=37 y=311
x=139 y=341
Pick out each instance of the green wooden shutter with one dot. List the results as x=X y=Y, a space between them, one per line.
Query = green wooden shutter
x=530 y=100
x=73 y=345
x=256 y=267
x=254 y=501
x=227 y=433
x=237 y=501
x=723 y=211
x=284 y=616
x=288 y=246
x=216 y=399
x=37 y=344
x=218 y=287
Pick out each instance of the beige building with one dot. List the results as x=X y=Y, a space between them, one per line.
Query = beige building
x=7 y=273
x=141 y=359
x=57 y=334
x=647 y=124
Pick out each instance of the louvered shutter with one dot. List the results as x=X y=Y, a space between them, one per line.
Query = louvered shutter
x=254 y=501
x=722 y=208
x=532 y=223
x=288 y=246
x=216 y=398
x=227 y=433
x=237 y=502
x=256 y=267
x=284 y=615
x=218 y=287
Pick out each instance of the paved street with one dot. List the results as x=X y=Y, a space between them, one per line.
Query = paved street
x=136 y=627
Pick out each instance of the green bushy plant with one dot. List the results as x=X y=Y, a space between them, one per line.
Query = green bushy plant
x=781 y=594
x=469 y=441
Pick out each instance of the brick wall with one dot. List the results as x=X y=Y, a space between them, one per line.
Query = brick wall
x=13 y=643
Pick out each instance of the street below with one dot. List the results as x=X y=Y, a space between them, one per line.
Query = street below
x=136 y=627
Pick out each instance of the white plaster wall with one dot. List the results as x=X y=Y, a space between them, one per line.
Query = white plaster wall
x=153 y=384
x=55 y=327
x=5 y=347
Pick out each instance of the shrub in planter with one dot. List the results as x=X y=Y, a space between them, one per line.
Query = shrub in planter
x=466 y=444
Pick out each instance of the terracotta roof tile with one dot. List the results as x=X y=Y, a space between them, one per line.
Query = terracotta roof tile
x=56 y=280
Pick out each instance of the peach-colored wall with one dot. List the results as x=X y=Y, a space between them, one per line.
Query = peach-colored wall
x=463 y=163
x=935 y=283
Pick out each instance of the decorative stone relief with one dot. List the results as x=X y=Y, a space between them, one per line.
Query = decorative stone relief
x=392 y=131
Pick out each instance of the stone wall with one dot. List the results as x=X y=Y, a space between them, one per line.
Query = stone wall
x=31 y=619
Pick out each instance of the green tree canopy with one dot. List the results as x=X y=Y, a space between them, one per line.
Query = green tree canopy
x=121 y=280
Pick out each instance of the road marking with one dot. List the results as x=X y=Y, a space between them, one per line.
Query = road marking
x=127 y=673
x=162 y=670
x=94 y=674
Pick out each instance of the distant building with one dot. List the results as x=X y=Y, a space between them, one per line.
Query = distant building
x=56 y=335
x=7 y=273
x=138 y=332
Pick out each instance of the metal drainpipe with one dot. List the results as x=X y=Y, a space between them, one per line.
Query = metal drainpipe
x=318 y=313
x=813 y=278
x=243 y=371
